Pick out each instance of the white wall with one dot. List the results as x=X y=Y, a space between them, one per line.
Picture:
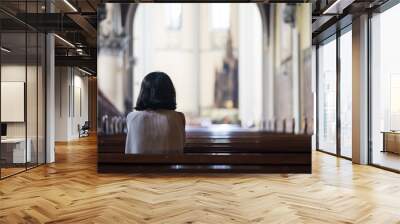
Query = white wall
x=61 y=103
x=16 y=73
x=250 y=64
x=71 y=102
x=33 y=126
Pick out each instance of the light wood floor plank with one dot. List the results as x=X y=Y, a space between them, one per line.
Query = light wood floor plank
x=71 y=191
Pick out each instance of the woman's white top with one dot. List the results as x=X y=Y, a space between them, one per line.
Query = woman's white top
x=155 y=132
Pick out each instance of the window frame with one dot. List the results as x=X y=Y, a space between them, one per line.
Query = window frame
x=333 y=37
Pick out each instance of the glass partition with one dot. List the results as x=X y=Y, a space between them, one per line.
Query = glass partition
x=22 y=90
x=14 y=145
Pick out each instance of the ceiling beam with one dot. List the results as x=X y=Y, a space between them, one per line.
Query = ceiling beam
x=84 y=24
x=77 y=61
x=337 y=7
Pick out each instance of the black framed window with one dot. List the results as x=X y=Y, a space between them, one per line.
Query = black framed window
x=326 y=101
x=334 y=97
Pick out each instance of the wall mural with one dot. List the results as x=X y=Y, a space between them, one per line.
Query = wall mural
x=156 y=102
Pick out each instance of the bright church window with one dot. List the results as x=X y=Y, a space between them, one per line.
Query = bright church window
x=220 y=16
x=173 y=12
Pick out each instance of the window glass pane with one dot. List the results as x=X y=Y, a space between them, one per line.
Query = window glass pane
x=173 y=12
x=385 y=87
x=220 y=16
x=327 y=97
x=346 y=94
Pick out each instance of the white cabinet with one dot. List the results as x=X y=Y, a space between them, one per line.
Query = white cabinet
x=19 y=155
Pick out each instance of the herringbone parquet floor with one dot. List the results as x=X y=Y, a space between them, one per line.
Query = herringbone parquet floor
x=70 y=191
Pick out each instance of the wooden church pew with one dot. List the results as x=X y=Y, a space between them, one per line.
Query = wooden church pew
x=215 y=152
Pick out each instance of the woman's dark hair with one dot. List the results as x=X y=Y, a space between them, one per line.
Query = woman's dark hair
x=157 y=92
